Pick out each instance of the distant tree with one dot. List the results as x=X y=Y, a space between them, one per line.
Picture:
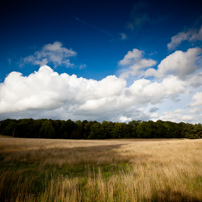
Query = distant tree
x=70 y=128
x=87 y=129
x=108 y=128
x=96 y=131
x=83 y=129
x=8 y=127
x=171 y=129
x=117 y=130
x=193 y=131
x=125 y=131
x=133 y=126
x=47 y=130
x=160 y=129
x=26 y=128
x=144 y=130
x=79 y=129
x=62 y=130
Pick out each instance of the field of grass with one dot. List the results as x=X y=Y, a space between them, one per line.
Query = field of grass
x=100 y=170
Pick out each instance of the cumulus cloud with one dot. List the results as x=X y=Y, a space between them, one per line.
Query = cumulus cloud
x=133 y=61
x=46 y=89
x=145 y=91
x=195 y=81
x=179 y=63
x=125 y=119
x=191 y=35
x=54 y=54
x=197 y=100
x=47 y=93
x=176 y=116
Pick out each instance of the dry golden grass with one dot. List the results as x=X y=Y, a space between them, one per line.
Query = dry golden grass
x=100 y=170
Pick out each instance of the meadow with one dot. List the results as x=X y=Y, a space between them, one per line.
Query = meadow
x=100 y=170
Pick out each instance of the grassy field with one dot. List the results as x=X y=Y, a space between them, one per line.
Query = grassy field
x=100 y=170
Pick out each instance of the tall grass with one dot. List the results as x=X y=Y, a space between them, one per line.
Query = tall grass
x=100 y=170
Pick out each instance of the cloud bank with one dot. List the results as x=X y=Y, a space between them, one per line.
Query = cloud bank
x=47 y=94
x=142 y=90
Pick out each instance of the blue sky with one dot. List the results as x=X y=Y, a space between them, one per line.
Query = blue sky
x=101 y=60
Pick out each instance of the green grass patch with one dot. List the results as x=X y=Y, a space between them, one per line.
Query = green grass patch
x=33 y=179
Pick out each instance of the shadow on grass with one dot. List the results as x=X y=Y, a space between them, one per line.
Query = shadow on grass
x=28 y=172
x=171 y=196
x=73 y=156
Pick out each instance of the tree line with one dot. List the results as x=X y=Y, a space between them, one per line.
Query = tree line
x=60 y=129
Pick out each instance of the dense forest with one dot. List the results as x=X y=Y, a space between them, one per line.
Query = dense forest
x=60 y=129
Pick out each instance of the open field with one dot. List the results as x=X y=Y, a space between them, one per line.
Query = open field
x=100 y=170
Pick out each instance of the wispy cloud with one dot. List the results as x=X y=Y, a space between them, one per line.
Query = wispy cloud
x=123 y=36
x=9 y=60
x=139 y=16
x=191 y=35
x=54 y=54
x=92 y=26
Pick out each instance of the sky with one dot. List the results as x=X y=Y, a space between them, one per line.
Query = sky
x=101 y=60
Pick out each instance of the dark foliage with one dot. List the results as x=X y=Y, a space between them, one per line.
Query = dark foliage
x=44 y=128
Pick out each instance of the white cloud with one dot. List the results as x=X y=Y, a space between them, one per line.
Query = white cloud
x=133 y=61
x=47 y=89
x=197 y=100
x=177 y=39
x=178 y=63
x=191 y=35
x=51 y=53
x=47 y=94
x=195 y=80
x=176 y=116
x=154 y=116
x=125 y=119
x=145 y=91
x=131 y=57
x=194 y=110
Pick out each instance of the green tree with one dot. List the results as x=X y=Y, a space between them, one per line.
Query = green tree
x=96 y=131
x=160 y=129
x=47 y=130
x=133 y=126
x=144 y=130
x=117 y=130
x=108 y=128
